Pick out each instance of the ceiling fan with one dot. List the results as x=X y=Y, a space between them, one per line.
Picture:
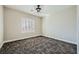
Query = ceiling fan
x=39 y=10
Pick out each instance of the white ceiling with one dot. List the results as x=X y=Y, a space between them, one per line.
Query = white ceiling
x=46 y=9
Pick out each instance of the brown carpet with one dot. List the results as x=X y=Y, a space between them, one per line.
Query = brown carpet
x=38 y=45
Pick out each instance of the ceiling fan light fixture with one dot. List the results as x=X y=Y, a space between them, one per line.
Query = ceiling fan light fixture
x=38 y=8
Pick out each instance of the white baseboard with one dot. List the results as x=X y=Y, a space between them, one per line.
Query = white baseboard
x=61 y=40
x=34 y=36
x=16 y=39
x=1 y=44
x=38 y=35
x=20 y=38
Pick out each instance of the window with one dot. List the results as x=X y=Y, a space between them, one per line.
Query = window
x=28 y=25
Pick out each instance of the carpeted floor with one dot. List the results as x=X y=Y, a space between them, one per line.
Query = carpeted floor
x=38 y=45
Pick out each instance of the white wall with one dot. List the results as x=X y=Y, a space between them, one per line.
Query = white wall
x=78 y=28
x=61 y=25
x=13 y=25
x=1 y=25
